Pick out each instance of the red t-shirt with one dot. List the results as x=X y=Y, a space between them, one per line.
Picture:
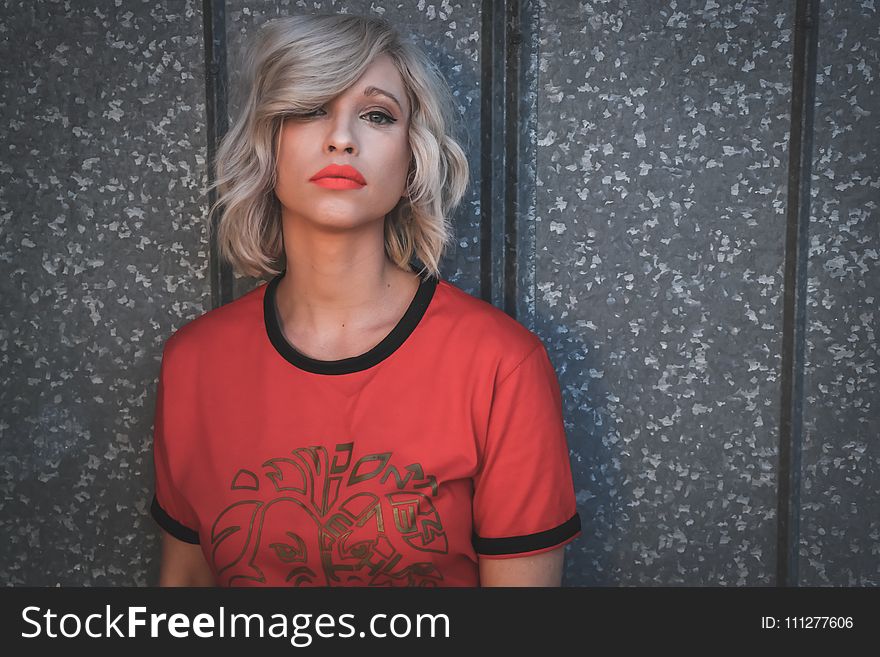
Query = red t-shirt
x=397 y=467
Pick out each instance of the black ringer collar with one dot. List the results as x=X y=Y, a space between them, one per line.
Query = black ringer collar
x=380 y=352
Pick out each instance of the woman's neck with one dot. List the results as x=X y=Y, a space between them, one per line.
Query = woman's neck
x=337 y=285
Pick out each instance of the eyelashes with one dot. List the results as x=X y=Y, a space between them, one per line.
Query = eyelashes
x=385 y=119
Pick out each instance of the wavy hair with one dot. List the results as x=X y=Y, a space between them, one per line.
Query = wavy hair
x=297 y=63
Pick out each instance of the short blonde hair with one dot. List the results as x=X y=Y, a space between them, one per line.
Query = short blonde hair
x=297 y=63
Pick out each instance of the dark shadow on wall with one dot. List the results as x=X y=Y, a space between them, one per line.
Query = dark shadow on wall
x=592 y=559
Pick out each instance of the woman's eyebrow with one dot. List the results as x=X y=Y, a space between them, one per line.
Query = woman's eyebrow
x=373 y=91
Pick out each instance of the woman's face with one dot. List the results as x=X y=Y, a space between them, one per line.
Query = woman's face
x=362 y=128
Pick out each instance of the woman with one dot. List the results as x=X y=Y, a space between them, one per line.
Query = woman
x=353 y=422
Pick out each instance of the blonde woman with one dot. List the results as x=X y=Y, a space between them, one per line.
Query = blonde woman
x=356 y=421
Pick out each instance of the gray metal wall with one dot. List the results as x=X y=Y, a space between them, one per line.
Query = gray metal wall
x=839 y=539
x=103 y=256
x=630 y=202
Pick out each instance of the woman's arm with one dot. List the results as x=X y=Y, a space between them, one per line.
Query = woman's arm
x=543 y=569
x=183 y=564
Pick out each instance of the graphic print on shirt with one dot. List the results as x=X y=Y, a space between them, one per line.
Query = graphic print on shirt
x=365 y=517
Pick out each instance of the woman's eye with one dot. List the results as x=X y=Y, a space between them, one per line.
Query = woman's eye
x=384 y=119
x=304 y=114
x=375 y=116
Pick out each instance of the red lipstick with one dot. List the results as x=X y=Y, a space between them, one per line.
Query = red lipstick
x=337 y=176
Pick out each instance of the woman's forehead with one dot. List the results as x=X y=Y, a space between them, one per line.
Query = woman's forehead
x=382 y=79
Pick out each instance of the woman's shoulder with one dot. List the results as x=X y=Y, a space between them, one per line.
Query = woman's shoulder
x=225 y=325
x=483 y=326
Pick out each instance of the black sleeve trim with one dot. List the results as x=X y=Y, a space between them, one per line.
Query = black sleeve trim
x=529 y=542
x=171 y=526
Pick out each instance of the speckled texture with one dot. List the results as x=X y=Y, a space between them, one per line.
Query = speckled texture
x=651 y=251
x=449 y=32
x=661 y=196
x=103 y=256
x=840 y=510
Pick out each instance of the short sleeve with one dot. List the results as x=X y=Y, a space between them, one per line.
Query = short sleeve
x=524 y=500
x=169 y=508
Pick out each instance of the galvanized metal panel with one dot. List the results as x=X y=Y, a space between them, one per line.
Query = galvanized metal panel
x=660 y=219
x=840 y=496
x=103 y=257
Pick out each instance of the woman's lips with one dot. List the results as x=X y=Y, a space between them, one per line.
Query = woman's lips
x=338 y=183
x=339 y=176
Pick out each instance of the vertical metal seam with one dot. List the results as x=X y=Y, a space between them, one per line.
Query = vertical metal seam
x=487 y=129
x=512 y=66
x=214 y=28
x=803 y=96
x=500 y=156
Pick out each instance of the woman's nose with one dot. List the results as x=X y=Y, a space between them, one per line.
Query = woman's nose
x=341 y=136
